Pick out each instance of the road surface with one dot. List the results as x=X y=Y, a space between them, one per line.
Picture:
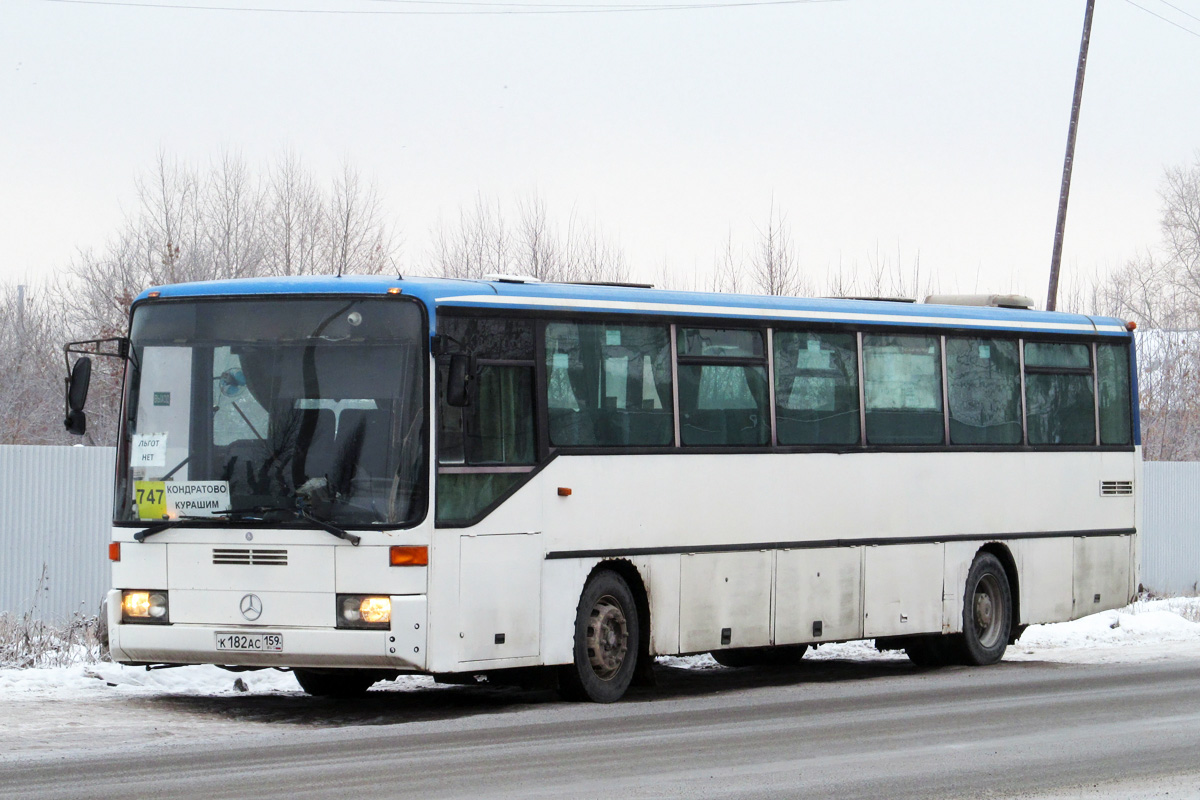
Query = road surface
x=823 y=729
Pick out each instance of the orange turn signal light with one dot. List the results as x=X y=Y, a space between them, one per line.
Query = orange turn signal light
x=563 y=491
x=114 y=551
x=153 y=294
x=1131 y=325
x=395 y=290
x=408 y=555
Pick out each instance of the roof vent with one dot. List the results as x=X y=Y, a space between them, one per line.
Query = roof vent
x=991 y=300
x=501 y=278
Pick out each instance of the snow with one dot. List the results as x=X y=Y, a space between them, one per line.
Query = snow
x=1146 y=630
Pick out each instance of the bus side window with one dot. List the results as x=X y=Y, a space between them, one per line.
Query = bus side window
x=723 y=388
x=1112 y=371
x=1060 y=405
x=497 y=429
x=902 y=384
x=816 y=388
x=983 y=378
x=609 y=385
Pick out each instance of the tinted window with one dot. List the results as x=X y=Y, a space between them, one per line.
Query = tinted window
x=816 y=388
x=902 y=384
x=1112 y=371
x=609 y=385
x=1059 y=403
x=983 y=381
x=490 y=337
x=495 y=432
x=720 y=342
x=723 y=387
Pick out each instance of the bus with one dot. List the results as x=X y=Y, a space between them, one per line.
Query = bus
x=360 y=477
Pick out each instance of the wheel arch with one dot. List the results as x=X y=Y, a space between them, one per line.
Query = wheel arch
x=1005 y=557
x=641 y=598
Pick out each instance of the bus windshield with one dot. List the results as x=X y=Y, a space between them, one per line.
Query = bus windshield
x=275 y=409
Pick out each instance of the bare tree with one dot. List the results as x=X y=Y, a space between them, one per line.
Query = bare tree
x=773 y=263
x=31 y=368
x=359 y=239
x=293 y=225
x=591 y=256
x=729 y=269
x=483 y=242
x=537 y=243
x=226 y=221
x=1180 y=223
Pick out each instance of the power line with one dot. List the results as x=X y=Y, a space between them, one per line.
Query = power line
x=489 y=9
x=1165 y=19
x=1180 y=10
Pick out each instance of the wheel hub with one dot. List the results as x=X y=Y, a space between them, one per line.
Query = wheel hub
x=983 y=610
x=607 y=637
x=988 y=623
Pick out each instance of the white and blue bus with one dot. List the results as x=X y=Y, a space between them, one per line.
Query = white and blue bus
x=359 y=477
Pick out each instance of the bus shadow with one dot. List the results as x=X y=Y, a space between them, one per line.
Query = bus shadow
x=388 y=704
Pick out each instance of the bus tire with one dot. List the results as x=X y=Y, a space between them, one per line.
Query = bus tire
x=607 y=633
x=335 y=682
x=784 y=655
x=987 y=612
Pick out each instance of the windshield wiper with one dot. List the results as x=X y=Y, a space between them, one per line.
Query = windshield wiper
x=157 y=527
x=341 y=533
x=258 y=513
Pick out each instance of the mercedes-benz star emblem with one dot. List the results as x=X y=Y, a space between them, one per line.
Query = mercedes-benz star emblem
x=251 y=607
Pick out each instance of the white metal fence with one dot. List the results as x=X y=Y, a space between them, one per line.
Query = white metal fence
x=55 y=524
x=56 y=504
x=1171 y=526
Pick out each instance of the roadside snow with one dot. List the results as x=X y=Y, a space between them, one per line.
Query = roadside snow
x=1146 y=630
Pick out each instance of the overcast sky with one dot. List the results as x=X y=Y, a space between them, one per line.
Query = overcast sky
x=930 y=128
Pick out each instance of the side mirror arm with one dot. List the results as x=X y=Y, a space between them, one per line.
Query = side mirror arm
x=79 y=376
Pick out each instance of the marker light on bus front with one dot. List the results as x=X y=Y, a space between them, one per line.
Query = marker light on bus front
x=408 y=555
x=364 y=611
x=145 y=606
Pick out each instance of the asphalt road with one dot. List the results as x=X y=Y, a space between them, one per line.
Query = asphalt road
x=824 y=729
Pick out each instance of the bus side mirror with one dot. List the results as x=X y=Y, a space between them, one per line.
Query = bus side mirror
x=77 y=390
x=459 y=380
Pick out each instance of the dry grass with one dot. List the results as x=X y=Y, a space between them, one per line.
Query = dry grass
x=1187 y=607
x=28 y=642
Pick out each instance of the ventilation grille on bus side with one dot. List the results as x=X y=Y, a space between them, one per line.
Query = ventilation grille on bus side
x=1116 y=488
x=247 y=556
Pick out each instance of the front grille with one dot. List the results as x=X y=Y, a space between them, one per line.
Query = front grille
x=247 y=556
x=1116 y=488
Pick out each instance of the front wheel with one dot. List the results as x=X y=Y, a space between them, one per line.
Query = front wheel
x=606 y=641
x=987 y=612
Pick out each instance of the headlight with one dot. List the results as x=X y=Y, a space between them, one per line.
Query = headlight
x=146 y=606
x=364 y=611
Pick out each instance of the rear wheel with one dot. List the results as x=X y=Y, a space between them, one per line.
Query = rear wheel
x=606 y=641
x=335 y=682
x=987 y=612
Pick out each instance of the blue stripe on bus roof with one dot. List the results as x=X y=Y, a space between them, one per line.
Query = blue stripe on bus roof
x=447 y=293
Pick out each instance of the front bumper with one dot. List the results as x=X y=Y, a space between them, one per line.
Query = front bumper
x=403 y=647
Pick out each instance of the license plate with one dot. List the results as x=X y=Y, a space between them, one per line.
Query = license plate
x=251 y=642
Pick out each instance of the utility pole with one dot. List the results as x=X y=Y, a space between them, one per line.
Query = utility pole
x=1069 y=160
